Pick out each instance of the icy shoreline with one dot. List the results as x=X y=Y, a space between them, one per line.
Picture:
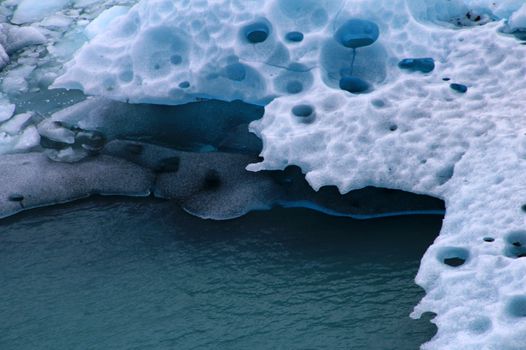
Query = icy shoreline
x=422 y=97
x=207 y=185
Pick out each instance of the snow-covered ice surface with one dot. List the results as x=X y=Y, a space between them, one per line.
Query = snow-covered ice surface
x=421 y=96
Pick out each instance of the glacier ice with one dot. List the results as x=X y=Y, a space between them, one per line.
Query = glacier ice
x=517 y=21
x=102 y=21
x=420 y=96
x=6 y=110
x=29 y=11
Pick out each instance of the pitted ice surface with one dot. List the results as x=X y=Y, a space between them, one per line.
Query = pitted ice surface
x=340 y=104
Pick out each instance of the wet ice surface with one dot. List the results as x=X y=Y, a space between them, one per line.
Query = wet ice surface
x=141 y=274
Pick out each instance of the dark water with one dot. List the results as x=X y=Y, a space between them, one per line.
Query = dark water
x=141 y=274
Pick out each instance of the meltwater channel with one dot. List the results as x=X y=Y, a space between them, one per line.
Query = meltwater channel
x=141 y=274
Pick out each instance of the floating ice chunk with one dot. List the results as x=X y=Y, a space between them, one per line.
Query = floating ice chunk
x=56 y=22
x=15 y=80
x=32 y=180
x=30 y=11
x=69 y=44
x=4 y=58
x=27 y=140
x=6 y=111
x=55 y=131
x=20 y=37
x=67 y=155
x=84 y=3
x=102 y=22
x=21 y=142
x=16 y=123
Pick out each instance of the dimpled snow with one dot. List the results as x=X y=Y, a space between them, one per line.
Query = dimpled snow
x=421 y=96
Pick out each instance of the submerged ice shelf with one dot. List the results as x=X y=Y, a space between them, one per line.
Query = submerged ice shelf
x=424 y=97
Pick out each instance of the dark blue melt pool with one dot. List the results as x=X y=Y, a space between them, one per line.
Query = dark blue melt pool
x=141 y=274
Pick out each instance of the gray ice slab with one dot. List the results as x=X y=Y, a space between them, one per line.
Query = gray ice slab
x=32 y=180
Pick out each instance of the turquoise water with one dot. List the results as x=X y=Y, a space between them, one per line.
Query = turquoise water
x=141 y=274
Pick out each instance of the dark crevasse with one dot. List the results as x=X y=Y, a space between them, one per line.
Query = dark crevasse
x=142 y=274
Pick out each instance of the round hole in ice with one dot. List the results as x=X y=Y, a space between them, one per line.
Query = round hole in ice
x=294 y=79
x=184 y=84
x=212 y=180
x=294 y=87
x=517 y=306
x=480 y=325
x=357 y=33
x=378 y=103
x=108 y=83
x=176 y=59
x=516 y=244
x=453 y=256
x=523 y=208
x=455 y=261
x=15 y=197
x=459 y=87
x=304 y=112
x=393 y=127
x=126 y=76
x=257 y=32
x=353 y=85
x=489 y=239
x=423 y=65
x=235 y=72
x=294 y=36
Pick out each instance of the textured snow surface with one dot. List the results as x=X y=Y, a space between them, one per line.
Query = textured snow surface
x=339 y=105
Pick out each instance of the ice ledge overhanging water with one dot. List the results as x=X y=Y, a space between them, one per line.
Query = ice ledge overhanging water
x=424 y=97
